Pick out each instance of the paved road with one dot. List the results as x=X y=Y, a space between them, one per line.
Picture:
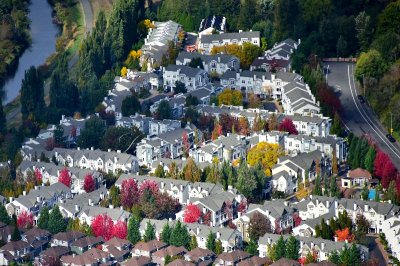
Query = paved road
x=359 y=118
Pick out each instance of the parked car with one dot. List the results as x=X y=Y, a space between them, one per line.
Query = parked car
x=391 y=138
x=361 y=98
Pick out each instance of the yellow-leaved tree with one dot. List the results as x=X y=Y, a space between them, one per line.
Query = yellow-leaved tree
x=124 y=71
x=230 y=97
x=266 y=154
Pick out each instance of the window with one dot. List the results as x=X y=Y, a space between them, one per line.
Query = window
x=83 y=160
x=243 y=81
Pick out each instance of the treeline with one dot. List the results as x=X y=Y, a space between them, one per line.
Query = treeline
x=14 y=34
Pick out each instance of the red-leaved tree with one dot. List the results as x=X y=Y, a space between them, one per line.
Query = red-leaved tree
x=389 y=174
x=120 y=230
x=343 y=235
x=65 y=177
x=379 y=164
x=191 y=214
x=129 y=193
x=186 y=144
x=149 y=185
x=102 y=225
x=25 y=220
x=288 y=126
x=89 y=184
x=296 y=219
x=38 y=176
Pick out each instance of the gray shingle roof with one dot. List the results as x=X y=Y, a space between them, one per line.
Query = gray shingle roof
x=185 y=70
x=231 y=35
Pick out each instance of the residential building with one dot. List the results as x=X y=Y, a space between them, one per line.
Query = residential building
x=93 y=256
x=89 y=213
x=50 y=255
x=14 y=251
x=207 y=42
x=297 y=98
x=177 y=104
x=147 y=249
x=138 y=261
x=113 y=101
x=65 y=239
x=231 y=258
x=200 y=256
x=356 y=178
x=283 y=50
x=142 y=122
x=37 y=239
x=311 y=125
x=119 y=249
x=212 y=64
x=86 y=243
x=212 y=24
x=158 y=257
x=106 y=161
x=191 y=77
x=271 y=64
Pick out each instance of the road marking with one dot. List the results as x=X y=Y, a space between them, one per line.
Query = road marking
x=366 y=120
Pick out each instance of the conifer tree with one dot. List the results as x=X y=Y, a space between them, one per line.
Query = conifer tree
x=279 y=249
x=56 y=223
x=44 y=218
x=292 y=248
x=210 y=242
x=166 y=233
x=4 y=215
x=179 y=236
x=218 y=247
x=149 y=233
x=133 y=230
x=193 y=242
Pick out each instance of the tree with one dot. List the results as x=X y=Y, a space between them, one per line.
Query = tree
x=317 y=190
x=334 y=257
x=130 y=105
x=164 y=110
x=191 y=214
x=252 y=248
x=32 y=94
x=44 y=217
x=180 y=87
x=266 y=154
x=120 y=230
x=196 y=63
x=230 y=97
x=218 y=247
x=336 y=128
x=259 y=225
x=149 y=233
x=362 y=227
x=254 y=101
x=129 y=193
x=121 y=138
x=133 y=230
x=370 y=65
x=191 y=101
x=159 y=172
x=379 y=163
x=288 y=126
x=246 y=52
x=292 y=248
x=246 y=180
x=93 y=133
x=16 y=235
x=279 y=249
x=244 y=126
x=191 y=172
x=25 y=220
x=166 y=233
x=369 y=159
x=365 y=192
x=102 y=225
x=179 y=236
x=210 y=242
x=193 y=242
x=363 y=28
x=389 y=173
x=89 y=184
x=56 y=223
x=4 y=218
x=343 y=235
x=65 y=177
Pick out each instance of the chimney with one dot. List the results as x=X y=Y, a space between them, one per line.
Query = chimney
x=181 y=187
x=24 y=193
x=38 y=199
x=366 y=207
x=327 y=204
x=347 y=241
x=118 y=151
x=162 y=184
x=110 y=206
x=91 y=202
x=77 y=208
x=219 y=59
x=239 y=214
x=269 y=240
x=92 y=148
x=218 y=235
x=336 y=204
x=197 y=231
x=317 y=202
x=109 y=150
x=11 y=199
x=36 y=187
x=355 y=206
x=79 y=148
x=312 y=244
x=121 y=208
x=322 y=245
x=101 y=195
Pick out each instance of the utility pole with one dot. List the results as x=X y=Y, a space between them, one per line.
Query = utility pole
x=391 y=123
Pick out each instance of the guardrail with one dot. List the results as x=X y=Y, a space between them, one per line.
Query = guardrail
x=340 y=59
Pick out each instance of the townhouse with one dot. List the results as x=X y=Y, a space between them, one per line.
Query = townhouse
x=203 y=94
x=296 y=144
x=212 y=64
x=288 y=170
x=157 y=41
x=65 y=239
x=271 y=64
x=166 y=164
x=106 y=161
x=113 y=101
x=391 y=230
x=191 y=77
x=232 y=258
x=375 y=212
x=297 y=98
x=273 y=137
x=50 y=173
x=37 y=198
x=166 y=145
x=14 y=251
x=211 y=24
x=356 y=178
x=283 y=50
x=278 y=212
x=200 y=256
x=50 y=255
x=146 y=249
x=177 y=104
x=37 y=239
x=321 y=247
x=148 y=125
x=89 y=213
x=311 y=125
x=207 y=42
x=93 y=256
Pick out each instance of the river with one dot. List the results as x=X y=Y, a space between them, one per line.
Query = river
x=44 y=34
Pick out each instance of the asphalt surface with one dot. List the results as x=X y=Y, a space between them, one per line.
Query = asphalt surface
x=358 y=117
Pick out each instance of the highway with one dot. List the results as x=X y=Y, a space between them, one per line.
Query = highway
x=358 y=117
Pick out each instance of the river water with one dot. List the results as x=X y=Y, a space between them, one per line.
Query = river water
x=44 y=34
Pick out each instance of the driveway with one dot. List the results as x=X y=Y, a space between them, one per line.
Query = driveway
x=358 y=117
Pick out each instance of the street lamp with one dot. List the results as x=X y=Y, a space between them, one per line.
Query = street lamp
x=391 y=123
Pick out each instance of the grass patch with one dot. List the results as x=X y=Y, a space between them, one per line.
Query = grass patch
x=97 y=5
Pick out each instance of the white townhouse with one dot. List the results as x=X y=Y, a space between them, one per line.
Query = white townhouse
x=321 y=247
x=157 y=127
x=140 y=121
x=311 y=125
x=211 y=24
x=177 y=104
x=50 y=173
x=296 y=144
x=106 y=161
x=272 y=137
x=191 y=77
x=297 y=98
x=315 y=206
x=263 y=84
x=89 y=213
x=207 y=42
x=113 y=102
x=282 y=50
x=219 y=63
x=202 y=94
x=391 y=229
x=38 y=198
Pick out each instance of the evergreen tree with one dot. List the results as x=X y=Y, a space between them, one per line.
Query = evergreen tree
x=352 y=150
x=292 y=248
x=4 y=218
x=133 y=230
x=252 y=248
x=168 y=259
x=56 y=223
x=166 y=233
x=179 y=236
x=333 y=187
x=218 y=247
x=44 y=217
x=32 y=94
x=3 y=121
x=193 y=242
x=365 y=192
x=210 y=242
x=16 y=235
x=279 y=249
x=317 y=187
x=149 y=233
x=335 y=169
x=334 y=257
x=369 y=159
x=355 y=258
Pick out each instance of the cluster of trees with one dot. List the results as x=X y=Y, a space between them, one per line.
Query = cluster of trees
x=327 y=230
x=246 y=52
x=102 y=225
x=285 y=249
x=145 y=200
x=52 y=220
x=230 y=97
x=15 y=37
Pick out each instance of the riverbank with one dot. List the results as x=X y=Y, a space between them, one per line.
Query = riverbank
x=15 y=37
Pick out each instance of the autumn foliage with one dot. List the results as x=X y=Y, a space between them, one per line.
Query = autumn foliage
x=38 y=176
x=102 y=225
x=65 y=177
x=129 y=193
x=288 y=126
x=343 y=235
x=384 y=168
x=25 y=220
x=89 y=184
x=192 y=214
x=149 y=185
x=120 y=230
